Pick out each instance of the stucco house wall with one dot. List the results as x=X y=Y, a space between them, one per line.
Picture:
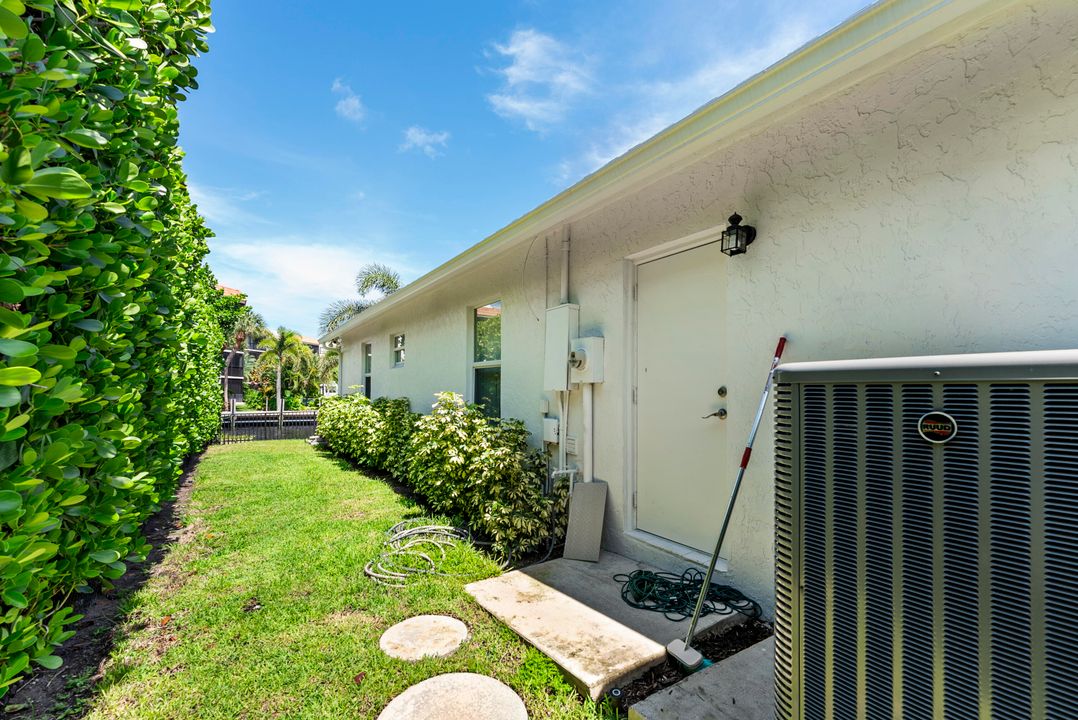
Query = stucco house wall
x=929 y=208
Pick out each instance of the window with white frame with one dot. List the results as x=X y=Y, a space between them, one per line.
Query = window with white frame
x=398 y=350
x=368 y=358
x=487 y=358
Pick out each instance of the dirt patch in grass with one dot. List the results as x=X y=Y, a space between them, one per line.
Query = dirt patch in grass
x=352 y=509
x=61 y=694
x=713 y=647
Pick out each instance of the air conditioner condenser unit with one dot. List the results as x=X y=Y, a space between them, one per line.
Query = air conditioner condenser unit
x=927 y=538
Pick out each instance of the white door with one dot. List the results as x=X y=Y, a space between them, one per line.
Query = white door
x=682 y=478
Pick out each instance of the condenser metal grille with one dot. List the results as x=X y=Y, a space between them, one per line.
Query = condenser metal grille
x=927 y=580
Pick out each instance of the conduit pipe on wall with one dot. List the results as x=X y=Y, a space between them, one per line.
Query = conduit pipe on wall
x=589 y=432
x=563 y=396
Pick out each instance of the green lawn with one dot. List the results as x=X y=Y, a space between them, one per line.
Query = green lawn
x=285 y=527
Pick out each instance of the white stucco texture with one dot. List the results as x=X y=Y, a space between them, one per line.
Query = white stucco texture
x=930 y=208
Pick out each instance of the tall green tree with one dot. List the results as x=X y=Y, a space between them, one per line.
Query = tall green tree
x=284 y=348
x=247 y=324
x=371 y=278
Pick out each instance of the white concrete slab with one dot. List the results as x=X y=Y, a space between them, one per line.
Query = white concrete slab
x=740 y=687
x=423 y=636
x=456 y=696
x=593 y=584
x=572 y=612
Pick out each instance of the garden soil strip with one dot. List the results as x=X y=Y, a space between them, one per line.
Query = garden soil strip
x=54 y=693
x=713 y=647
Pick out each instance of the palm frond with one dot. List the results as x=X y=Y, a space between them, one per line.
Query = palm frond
x=376 y=276
x=339 y=312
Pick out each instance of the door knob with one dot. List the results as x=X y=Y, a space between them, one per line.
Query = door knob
x=720 y=414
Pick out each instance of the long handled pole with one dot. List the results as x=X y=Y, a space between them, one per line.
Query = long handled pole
x=733 y=495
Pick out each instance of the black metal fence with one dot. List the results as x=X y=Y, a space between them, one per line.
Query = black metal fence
x=246 y=426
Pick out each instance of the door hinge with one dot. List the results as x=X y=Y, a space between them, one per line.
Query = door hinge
x=635 y=286
x=634 y=499
x=634 y=396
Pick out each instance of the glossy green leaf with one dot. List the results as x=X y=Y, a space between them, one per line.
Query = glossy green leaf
x=17 y=348
x=33 y=49
x=9 y=396
x=37 y=552
x=58 y=182
x=11 y=291
x=11 y=25
x=16 y=169
x=86 y=138
x=90 y=325
x=51 y=662
x=31 y=210
x=15 y=376
x=9 y=501
x=14 y=598
x=105 y=556
x=58 y=352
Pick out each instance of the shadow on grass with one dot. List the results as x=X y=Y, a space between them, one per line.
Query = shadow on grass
x=65 y=693
x=413 y=502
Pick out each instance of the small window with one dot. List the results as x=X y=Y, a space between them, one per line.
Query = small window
x=368 y=357
x=398 y=350
x=487 y=358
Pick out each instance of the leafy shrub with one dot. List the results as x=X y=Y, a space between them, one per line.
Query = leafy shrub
x=110 y=349
x=390 y=438
x=346 y=425
x=464 y=464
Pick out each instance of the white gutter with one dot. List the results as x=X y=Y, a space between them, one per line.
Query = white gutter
x=887 y=31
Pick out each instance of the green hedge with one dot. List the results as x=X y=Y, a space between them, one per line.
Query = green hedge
x=464 y=464
x=110 y=348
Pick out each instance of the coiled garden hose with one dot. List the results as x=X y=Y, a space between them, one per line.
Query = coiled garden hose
x=410 y=551
x=675 y=595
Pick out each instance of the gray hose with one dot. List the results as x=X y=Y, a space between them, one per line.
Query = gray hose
x=414 y=549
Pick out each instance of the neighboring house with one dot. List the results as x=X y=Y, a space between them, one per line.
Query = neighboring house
x=913 y=179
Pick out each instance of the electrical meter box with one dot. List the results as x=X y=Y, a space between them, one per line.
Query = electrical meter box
x=562 y=325
x=586 y=360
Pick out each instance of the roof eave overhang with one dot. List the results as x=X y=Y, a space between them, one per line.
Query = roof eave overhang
x=881 y=34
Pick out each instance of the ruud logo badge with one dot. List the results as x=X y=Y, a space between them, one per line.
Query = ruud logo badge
x=937 y=427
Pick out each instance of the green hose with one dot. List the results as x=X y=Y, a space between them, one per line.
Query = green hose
x=675 y=595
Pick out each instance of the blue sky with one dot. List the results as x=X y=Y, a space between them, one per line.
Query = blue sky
x=326 y=135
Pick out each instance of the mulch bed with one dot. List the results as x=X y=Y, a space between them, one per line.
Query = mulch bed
x=61 y=694
x=713 y=647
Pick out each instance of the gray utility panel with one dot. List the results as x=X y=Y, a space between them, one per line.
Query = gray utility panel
x=927 y=538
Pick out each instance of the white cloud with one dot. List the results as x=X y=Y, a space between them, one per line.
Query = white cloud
x=290 y=279
x=349 y=107
x=429 y=142
x=222 y=207
x=543 y=78
x=657 y=104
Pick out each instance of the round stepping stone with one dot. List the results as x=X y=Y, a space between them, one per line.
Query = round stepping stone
x=423 y=636
x=457 y=696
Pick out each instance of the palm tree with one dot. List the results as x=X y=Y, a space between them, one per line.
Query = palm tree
x=283 y=348
x=248 y=324
x=373 y=277
x=328 y=363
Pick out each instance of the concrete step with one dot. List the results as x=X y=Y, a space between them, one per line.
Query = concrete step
x=572 y=612
x=740 y=687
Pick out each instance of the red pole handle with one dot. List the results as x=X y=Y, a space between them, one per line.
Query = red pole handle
x=781 y=347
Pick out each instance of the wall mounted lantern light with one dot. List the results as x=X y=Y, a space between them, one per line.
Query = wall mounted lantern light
x=737 y=238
